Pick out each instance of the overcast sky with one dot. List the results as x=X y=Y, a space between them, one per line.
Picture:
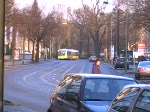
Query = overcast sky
x=49 y=4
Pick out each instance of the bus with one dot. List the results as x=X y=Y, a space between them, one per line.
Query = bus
x=68 y=54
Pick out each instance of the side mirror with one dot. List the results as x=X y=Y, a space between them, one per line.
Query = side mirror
x=72 y=97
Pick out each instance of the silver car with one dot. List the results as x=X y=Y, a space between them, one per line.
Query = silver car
x=142 y=70
x=92 y=58
x=133 y=98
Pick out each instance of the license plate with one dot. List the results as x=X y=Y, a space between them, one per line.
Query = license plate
x=121 y=62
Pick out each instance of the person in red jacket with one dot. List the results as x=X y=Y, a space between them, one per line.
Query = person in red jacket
x=96 y=67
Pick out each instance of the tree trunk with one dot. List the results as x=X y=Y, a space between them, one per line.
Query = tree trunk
x=81 y=41
x=23 y=48
x=13 y=44
x=8 y=37
x=97 y=44
x=33 y=58
x=37 y=52
x=56 y=54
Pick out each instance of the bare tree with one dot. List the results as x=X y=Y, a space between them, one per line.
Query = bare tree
x=94 y=21
x=34 y=27
x=12 y=17
x=138 y=18
x=9 y=10
x=55 y=31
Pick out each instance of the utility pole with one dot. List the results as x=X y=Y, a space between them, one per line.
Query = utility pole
x=127 y=35
x=2 y=29
x=118 y=26
x=106 y=43
x=88 y=46
x=116 y=44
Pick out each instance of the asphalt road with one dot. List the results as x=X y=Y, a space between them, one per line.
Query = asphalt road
x=31 y=85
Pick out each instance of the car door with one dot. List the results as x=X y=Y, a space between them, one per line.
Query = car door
x=143 y=102
x=59 y=95
x=70 y=104
x=123 y=101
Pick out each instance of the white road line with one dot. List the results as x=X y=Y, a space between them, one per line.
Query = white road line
x=25 y=78
x=44 y=79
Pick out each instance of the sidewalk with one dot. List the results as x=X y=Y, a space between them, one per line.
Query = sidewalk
x=10 y=107
x=23 y=62
x=18 y=62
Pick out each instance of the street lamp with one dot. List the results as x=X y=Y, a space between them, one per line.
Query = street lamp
x=127 y=35
x=106 y=50
x=116 y=48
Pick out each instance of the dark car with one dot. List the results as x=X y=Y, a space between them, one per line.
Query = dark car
x=86 y=92
x=120 y=63
x=142 y=70
x=133 y=98
x=93 y=58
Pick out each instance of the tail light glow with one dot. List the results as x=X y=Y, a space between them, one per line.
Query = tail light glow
x=141 y=70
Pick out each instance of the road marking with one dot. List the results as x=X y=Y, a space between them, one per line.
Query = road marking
x=25 y=78
x=44 y=77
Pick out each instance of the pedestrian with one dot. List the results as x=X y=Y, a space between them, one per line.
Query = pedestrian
x=96 y=67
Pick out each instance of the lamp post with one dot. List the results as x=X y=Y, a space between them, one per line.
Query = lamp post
x=116 y=47
x=127 y=35
x=118 y=26
x=106 y=51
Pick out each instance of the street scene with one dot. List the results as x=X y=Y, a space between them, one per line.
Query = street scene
x=31 y=87
x=74 y=56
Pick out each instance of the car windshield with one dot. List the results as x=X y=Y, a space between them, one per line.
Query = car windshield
x=103 y=89
x=145 y=63
x=93 y=56
x=121 y=59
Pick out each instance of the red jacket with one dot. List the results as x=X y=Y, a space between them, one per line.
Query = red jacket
x=96 y=69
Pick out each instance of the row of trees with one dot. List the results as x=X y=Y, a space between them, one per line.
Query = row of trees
x=86 y=26
x=32 y=24
x=139 y=19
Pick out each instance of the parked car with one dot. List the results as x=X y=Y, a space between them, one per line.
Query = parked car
x=86 y=92
x=142 y=70
x=133 y=98
x=120 y=62
x=92 y=58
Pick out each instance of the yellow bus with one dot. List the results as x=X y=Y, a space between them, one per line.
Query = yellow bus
x=68 y=54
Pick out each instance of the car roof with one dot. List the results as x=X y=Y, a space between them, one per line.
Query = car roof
x=144 y=86
x=121 y=57
x=143 y=61
x=93 y=56
x=87 y=75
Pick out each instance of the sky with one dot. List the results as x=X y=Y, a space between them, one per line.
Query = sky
x=48 y=4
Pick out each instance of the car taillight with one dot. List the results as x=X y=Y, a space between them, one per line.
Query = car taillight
x=141 y=70
x=117 y=62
